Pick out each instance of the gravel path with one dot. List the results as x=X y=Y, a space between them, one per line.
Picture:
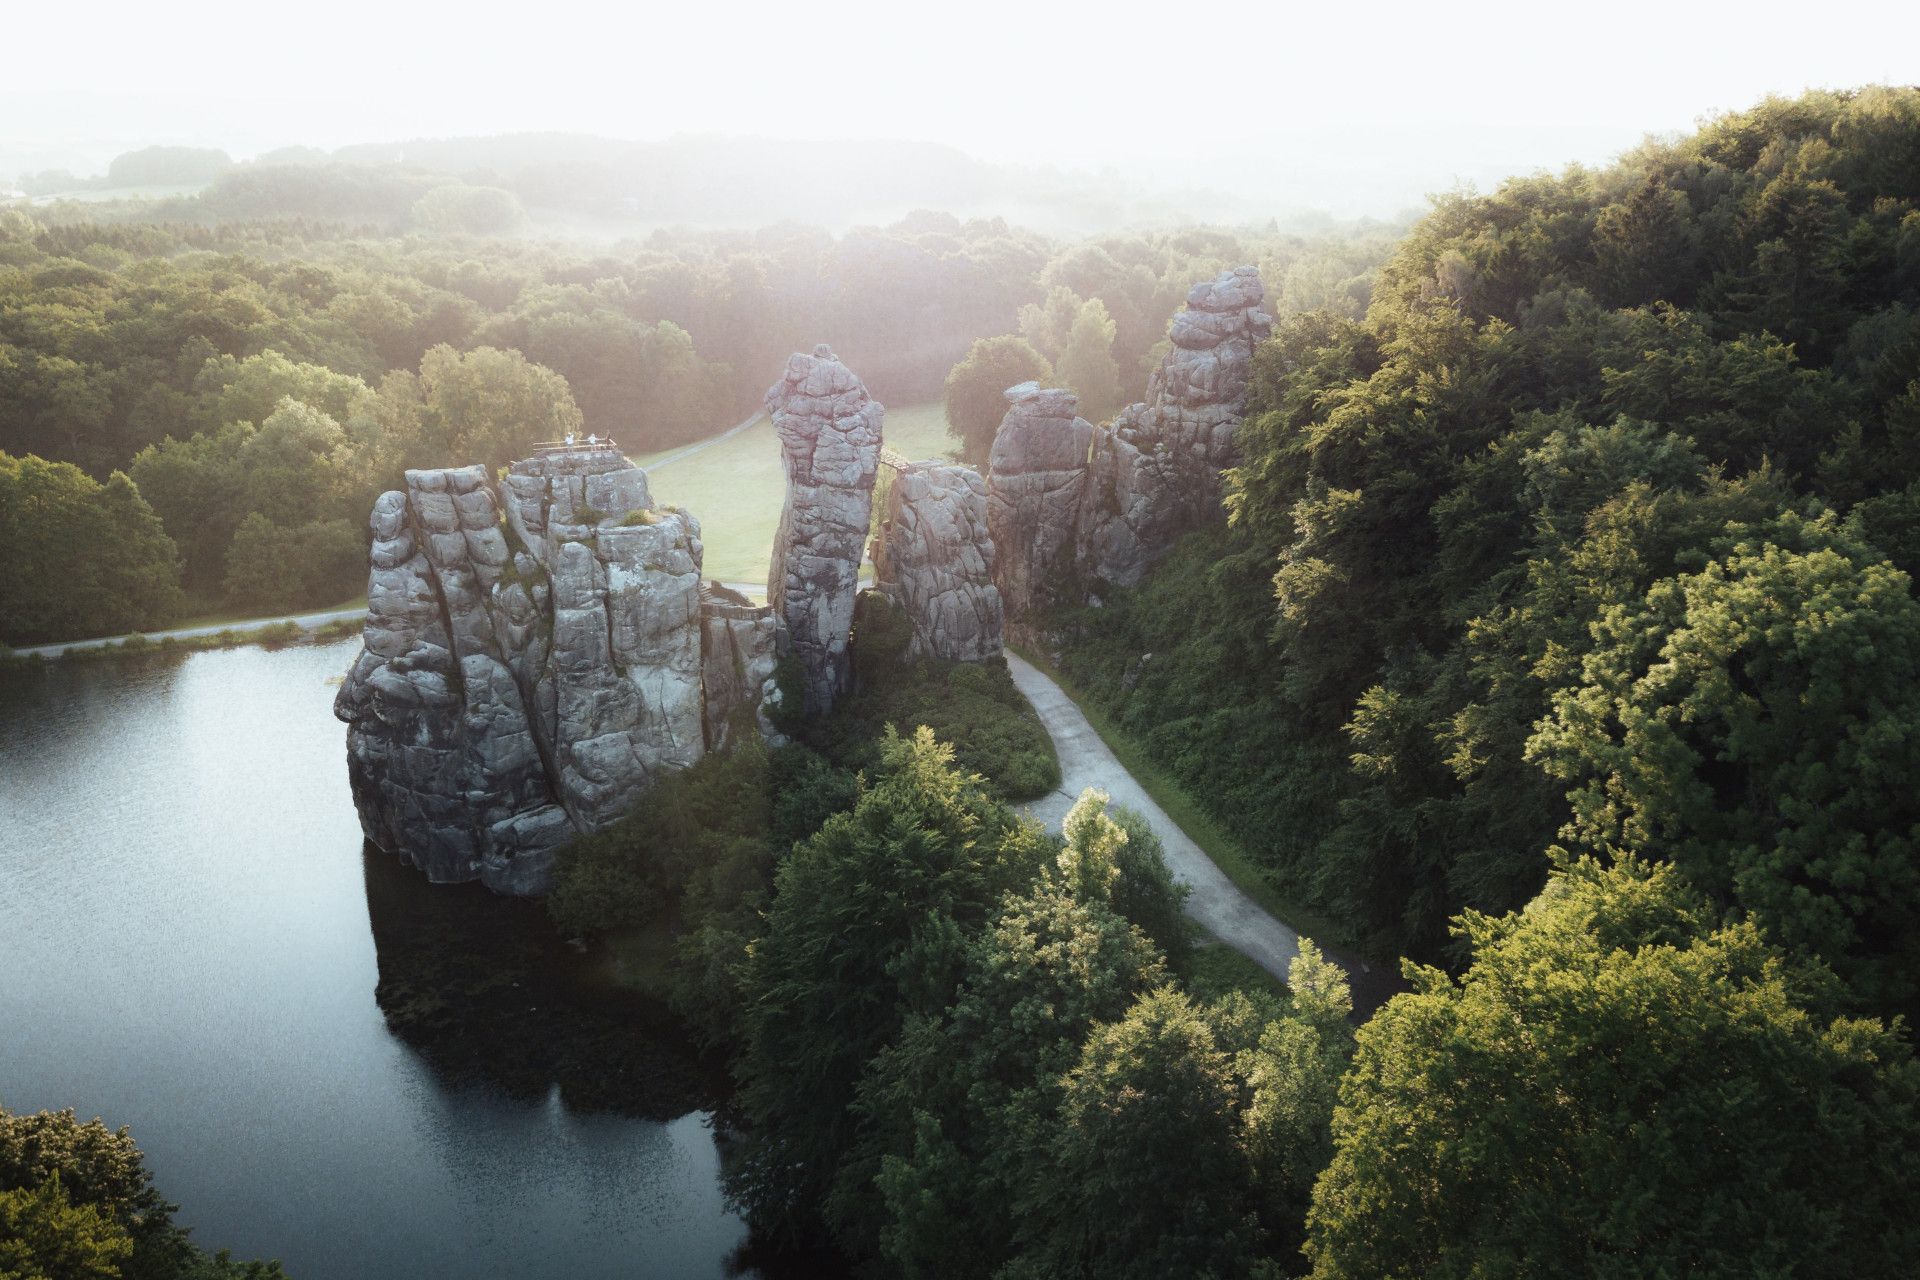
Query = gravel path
x=1216 y=903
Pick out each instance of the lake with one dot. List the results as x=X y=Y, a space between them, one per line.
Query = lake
x=187 y=947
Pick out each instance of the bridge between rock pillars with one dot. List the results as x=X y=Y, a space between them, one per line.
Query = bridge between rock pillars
x=895 y=459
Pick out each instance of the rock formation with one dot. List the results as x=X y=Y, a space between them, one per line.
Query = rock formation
x=524 y=682
x=742 y=649
x=1155 y=472
x=1037 y=478
x=1073 y=506
x=829 y=429
x=935 y=562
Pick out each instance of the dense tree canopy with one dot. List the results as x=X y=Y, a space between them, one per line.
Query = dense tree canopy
x=77 y=1201
x=1563 y=402
x=84 y=558
x=976 y=390
x=1619 y=1085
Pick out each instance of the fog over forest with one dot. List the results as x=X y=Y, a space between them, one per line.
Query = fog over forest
x=1255 y=108
x=990 y=642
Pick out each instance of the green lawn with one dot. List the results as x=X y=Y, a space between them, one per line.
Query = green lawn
x=204 y=612
x=736 y=487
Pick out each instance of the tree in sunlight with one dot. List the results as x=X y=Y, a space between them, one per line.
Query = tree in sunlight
x=1621 y=1085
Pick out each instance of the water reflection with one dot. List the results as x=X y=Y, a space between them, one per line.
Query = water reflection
x=192 y=938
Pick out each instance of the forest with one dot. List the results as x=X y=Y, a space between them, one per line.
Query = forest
x=260 y=381
x=1560 y=638
x=1557 y=646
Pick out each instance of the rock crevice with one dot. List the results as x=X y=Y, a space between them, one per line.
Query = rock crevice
x=829 y=429
x=934 y=559
x=536 y=654
x=1075 y=508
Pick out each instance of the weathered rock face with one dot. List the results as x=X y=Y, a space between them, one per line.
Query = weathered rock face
x=829 y=429
x=935 y=561
x=742 y=649
x=511 y=697
x=1155 y=472
x=1036 y=482
x=1073 y=506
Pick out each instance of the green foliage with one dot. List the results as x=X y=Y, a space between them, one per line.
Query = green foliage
x=44 y=1236
x=857 y=910
x=76 y=1200
x=485 y=405
x=273 y=567
x=1150 y=1094
x=167 y=166
x=1086 y=364
x=1620 y=1086
x=1755 y=722
x=475 y=211
x=973 y=705
x=82 y=558
x=1562 y=394
x=976 y=400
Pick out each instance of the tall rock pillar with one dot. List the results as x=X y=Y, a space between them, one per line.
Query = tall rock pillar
x=1036 y=480
x=829 y=429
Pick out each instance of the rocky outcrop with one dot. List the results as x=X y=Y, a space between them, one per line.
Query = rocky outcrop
x=1154 y=473
x=525 y=679
x=742 y=646
x=1036 y=482
x=829 y=429
x=935 y=559
x=1073 y=507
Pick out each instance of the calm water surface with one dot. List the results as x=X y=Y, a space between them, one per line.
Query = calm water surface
x=185 y=948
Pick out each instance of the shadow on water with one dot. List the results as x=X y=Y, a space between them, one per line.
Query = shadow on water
x=486 y=992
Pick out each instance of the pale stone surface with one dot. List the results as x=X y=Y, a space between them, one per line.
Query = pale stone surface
x=1074 y=507
x=742 y=649
x=935 y=562
x=829 y=429
x=1155 y=472
x=509 y=698
x=1036 y=482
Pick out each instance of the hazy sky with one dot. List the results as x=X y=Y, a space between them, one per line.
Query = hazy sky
x=1381 y=100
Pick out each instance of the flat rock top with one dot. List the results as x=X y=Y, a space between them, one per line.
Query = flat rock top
x=581 y=460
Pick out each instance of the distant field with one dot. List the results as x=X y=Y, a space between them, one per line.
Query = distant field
x=736 y=487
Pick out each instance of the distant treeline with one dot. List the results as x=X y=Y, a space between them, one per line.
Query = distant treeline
x=708 y=181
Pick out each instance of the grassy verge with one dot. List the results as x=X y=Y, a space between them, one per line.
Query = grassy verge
x=1218 y=969
x=281 y=633
x=203 y=611
x=1187 y=814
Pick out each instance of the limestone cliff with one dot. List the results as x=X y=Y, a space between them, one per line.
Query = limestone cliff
x=524 y=680
x=829 y=429
x=935 y=559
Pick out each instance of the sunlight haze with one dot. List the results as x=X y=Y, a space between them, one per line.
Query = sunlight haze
x=1359 y=110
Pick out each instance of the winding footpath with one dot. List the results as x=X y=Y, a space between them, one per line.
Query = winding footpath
x=1216 y=903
